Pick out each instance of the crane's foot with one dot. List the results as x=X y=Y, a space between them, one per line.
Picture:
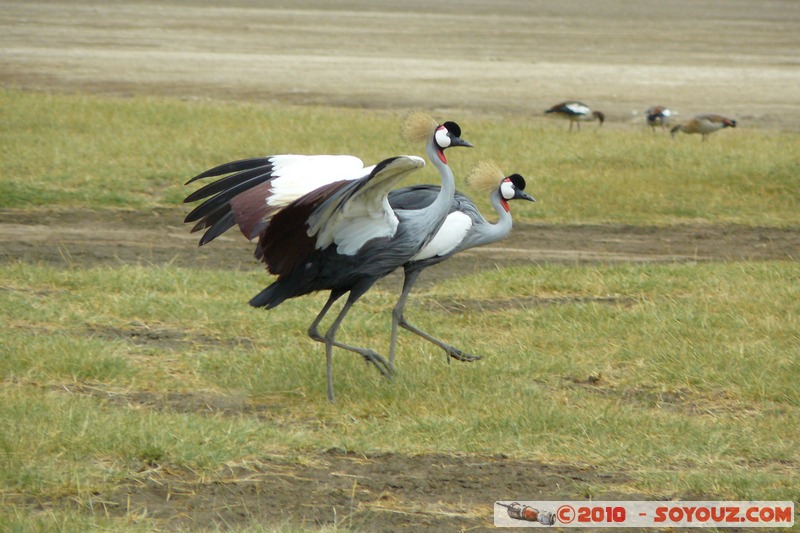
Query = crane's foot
x=384 y=367
x=458 y=355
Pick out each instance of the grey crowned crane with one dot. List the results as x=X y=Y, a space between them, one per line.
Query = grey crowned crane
x=464 y=228
x=325 y=223
x=658 y=115
x=576 y=112
x=705 y=125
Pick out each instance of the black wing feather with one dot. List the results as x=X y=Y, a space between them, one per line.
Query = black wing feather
x=227 y=182
x=232 y=166
x=226 y=222
x=222 y=199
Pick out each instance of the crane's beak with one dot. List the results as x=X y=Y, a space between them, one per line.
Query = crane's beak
x=522 y=195
x=458 y=141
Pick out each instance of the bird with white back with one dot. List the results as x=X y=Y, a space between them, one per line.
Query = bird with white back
x=576 y=112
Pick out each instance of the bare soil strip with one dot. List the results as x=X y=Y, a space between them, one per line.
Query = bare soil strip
x=85 y=238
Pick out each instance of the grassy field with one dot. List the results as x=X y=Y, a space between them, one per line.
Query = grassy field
x=681 y=375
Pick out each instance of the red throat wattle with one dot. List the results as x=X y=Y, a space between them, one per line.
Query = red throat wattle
x=440 y=153
x=505 y=205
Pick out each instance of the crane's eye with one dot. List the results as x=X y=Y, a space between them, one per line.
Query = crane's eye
x=442 y=137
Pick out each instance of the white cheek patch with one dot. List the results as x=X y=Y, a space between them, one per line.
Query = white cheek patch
x=507 y=190
x=442 y=137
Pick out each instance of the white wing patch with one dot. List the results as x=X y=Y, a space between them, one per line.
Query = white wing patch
x=450 y=235
x=297 y=175
x=578 y=109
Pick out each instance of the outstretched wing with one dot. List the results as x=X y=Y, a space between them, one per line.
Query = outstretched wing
x=360 y=211
x=256 y=189
x=344 y=213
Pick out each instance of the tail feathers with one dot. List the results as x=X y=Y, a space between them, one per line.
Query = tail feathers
x=270 y=297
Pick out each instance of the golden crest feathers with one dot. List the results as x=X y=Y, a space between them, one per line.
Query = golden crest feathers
x=418 y=127
x=485 y=176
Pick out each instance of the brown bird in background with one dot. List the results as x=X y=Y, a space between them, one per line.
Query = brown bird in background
x=705 y=125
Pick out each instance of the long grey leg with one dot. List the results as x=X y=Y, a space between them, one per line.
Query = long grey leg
x=313 y=330
x=399 y=319
x=397 y=313
x=330 y=339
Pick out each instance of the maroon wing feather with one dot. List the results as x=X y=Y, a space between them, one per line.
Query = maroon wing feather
x=251 y=210
x=285 y=245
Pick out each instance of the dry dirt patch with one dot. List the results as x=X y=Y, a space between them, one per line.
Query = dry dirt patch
x=382 y=492
x=85 y=238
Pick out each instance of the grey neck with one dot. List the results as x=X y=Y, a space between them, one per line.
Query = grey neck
x=489 y=233
x=441 y=205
